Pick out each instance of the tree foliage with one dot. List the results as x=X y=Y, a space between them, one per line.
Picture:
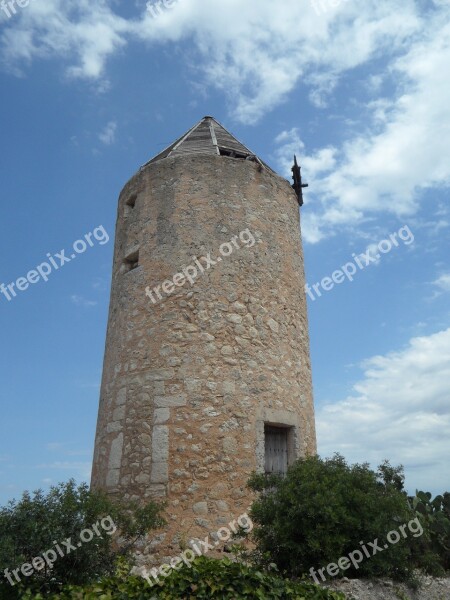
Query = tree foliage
x=432 y=554
x=205 y=579
x=325 y=509
x=39 y=522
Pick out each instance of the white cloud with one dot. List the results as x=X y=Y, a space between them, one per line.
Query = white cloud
x=443 y=282
x=251 y=51
x=400 y=410
x=54 y=446
x=386 y=168
x=258 y=52
x=108 y=135
x=83 y=30
x=79 y=453
x=99 y=284
x=72 y=469
x=258 y=59
x=62 y=449
x=80 y=301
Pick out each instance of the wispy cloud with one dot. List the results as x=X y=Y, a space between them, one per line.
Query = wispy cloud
x=443 y=282
x=63 y=449
x=108 y=135
x=260 y=59
x=99 y=284
x=69 y=468
x=256 y=60
x=54 y=446
x=399 y=406
x=383 y=168
x=80 y=301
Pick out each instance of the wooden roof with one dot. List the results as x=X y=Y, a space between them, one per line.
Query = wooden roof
x=207 y=137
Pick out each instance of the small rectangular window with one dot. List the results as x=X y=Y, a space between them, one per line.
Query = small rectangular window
x=129 y=205
x=276 y=450
x=131 y=201
x=131 y=261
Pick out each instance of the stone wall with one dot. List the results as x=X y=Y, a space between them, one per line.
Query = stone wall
x=190 y=381
x=430 y=588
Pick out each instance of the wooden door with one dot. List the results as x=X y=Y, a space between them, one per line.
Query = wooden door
x=276 y=450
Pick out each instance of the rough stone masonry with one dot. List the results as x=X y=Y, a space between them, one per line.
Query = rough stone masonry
x=191 y=385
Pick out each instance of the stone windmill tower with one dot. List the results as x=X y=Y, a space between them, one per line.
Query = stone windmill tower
x=205 y=378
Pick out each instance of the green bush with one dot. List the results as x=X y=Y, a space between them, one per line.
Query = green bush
x=206 y=579
x=432 y=554
x=324 y=509
x=40 y=522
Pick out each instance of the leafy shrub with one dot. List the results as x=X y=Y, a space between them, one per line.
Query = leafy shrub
x=323 y=509
x=34 y=525
x=433 y=551
x=206 y=579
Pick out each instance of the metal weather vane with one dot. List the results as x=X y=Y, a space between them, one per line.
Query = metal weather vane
x=298 y=185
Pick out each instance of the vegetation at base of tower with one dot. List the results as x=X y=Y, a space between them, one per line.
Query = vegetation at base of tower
x=325 y=509
x=432 y=552
x=321 y=511
x=206 y=579
x=37 y=522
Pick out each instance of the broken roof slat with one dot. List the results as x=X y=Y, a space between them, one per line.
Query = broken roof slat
x=208 y=136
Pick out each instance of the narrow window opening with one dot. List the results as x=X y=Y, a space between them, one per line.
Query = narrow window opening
x=131 y=261
x=131 y=202
x=129 y=205
x=276 y=443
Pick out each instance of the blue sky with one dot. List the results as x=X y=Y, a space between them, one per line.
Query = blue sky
x=90 y=90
